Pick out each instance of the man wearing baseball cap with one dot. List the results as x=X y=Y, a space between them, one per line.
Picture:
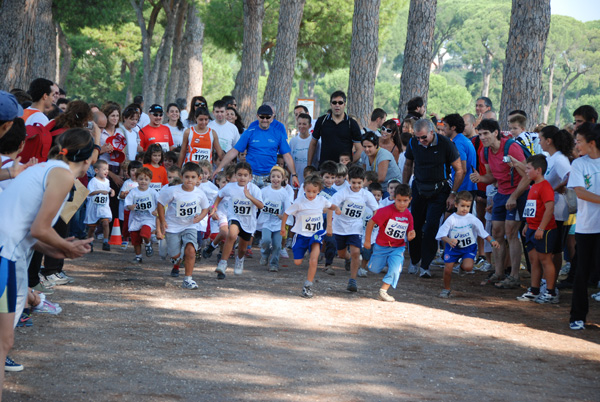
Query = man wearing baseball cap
x=155 y=132
x=9 y=110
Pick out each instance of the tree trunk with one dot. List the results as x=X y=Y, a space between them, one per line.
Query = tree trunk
x=487 y=74
x=522 y=79
x=66 y=53
x=28 y=46
x=194 y=37
x=178 y=64
x=548 y=97
x=417 y=53
x=281 y=75
x=363 y=59
x=246 y=81
x=561 y=96
x=133 y=68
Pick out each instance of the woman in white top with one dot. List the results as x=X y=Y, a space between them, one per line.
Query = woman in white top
x=28 y=210
x=174 y=123
x=131 y=116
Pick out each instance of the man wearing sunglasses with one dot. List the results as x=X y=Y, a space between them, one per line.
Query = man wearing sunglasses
x=431 y=155
x=156 y=132
x=338 y=132
x=263 y=143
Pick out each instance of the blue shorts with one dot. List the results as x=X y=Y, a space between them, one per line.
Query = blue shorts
x=8 y=286
x=545 y=245
x=453 y=254
x=344 y=241
x=367 y=253
x=303 y=243
x=393 y=257
x=499 y=211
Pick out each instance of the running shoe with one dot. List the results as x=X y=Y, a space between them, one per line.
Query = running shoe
x=189 y=284
x=207 y=252
x=528 y=296
x=444 y=294
x=137 y=260
x=105 y=247
x=283 y=253
x=57 y=279
x=221 y=267
x=347 y=264
x=238 y=268
x=175 y=272
x=307 y=292
x=547 y=298
x=149 y=250
x=362 y=273
x=328 y=270
x=48 y=307
x=424 y=273
x=577 y=325
x=384 y=296
x=10 y=365
x=352 y=285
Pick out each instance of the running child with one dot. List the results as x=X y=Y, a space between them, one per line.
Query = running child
x=540 y=233
x=219 y=227
x=187 y=205
x=389 y=200
x=395 y=223
x=348 y=227
x=328 y=173
x=211 y=191
x=377 y=191
x=200 y=141
x=98 y=208
x=141 y=202
x=309 y=227
x=341 y=175
x=245 y=200
x=153 y=160
x=460 y=232
x=276 y=199
x=127 y=186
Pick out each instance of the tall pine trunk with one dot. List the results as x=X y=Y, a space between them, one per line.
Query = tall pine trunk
x=522 y=79
x=417 y=53
x=549 y=96
x=28 y=45
x=487 y=74
x=363 y=59
x=246 y=81
x=190 y=83
x=281 y=73
x=178 y=64
x=148 y=85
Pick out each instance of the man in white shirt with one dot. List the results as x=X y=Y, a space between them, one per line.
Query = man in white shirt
x=227 y=132
x=144 y=118
x=42 y=93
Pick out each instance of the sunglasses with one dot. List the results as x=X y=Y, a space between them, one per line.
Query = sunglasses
x=387 y=130
x=264 y=117
x=337 y=102
x=199 y=104
x=421 y=138
x=157 y=114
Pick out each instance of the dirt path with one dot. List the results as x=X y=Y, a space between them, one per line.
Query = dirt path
x=130 y=333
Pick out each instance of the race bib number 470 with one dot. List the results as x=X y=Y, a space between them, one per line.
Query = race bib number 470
x=396 y=230
x=312 y=223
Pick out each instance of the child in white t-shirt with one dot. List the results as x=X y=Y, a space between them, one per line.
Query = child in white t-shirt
x=389 y=200
x=211 y=191
x=219 y=227
x=377 y=191
x=98 y=208
x=127 y=186
x=341 y=175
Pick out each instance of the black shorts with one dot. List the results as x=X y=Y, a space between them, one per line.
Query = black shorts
x=561 y=238
x=243 y=234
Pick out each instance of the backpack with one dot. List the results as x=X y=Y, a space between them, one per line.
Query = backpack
x=507 y=144
x=37 y=142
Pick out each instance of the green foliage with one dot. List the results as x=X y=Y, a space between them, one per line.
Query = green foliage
x=218 y=72
x=445 y=99
x=76 y=15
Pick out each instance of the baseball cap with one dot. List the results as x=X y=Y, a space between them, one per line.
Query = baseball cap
x=265 y=110
x=155 y=109
x=9 y=107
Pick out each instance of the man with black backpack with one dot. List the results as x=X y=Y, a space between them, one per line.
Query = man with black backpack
x=510 y=199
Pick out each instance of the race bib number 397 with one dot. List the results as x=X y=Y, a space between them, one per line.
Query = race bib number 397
x=396 y=230
x=242 y=207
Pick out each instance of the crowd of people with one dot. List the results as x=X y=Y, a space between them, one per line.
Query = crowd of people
x=455 y=192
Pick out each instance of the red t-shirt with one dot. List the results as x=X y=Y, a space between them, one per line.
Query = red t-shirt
x=501 y=170
x=159 y=176
x=539 y=194
x=156 y=135
x=393 y=226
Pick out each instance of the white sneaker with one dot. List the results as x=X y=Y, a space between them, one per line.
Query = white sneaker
x=362 y=272
x=263 y=260
x=438 y=261
x=485 y=266
x=57 y=279
x=189 y=284
x=543 y=287
x=565 y=269
x=413 y=268
x=238 y=268
x=221 y=267
x=283 y=253
x=595 y=296
x=65 y=276
x=48 y=283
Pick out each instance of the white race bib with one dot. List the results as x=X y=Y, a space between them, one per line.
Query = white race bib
x=155 y=186
x=100 y=199
x=353 y=210
x=273 y=208
x=312 y=223
x=202 y=154
x=530 y=209
x=464 y=235
x=164 y=146
x=242 y=207
x=143 y=204
x=187 y=209
x=396 y=230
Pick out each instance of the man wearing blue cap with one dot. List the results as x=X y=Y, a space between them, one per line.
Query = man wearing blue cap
x=263 y=143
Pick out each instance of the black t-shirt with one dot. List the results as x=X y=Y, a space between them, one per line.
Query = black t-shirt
x=432 y=164
x=335 y=138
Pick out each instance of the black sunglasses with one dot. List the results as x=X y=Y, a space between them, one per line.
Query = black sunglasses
x=199 y=104
x=157 y=114
x=337 y=102
x=421 y=138
x=264 y=117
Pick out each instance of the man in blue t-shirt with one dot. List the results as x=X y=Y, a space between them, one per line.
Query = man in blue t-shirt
x=454 y=125
x=262 y=143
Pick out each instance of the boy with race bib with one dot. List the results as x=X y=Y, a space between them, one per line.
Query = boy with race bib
x=460 y=232
x=395 y=223
x=309 y=227
x=353 y=201
x=141 y=202
x=98 y=208
x=187 y=205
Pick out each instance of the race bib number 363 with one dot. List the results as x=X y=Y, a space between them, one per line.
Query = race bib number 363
x=396 y=230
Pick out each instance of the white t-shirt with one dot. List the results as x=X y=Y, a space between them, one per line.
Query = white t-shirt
x=368 y=215
x=182 y=207
x=354 y=208
x=144 y=121
x=241 y=208
x=340 y=188
x=299 y=150
x=176 y=134
x=211 y=191
x=37 y=117
x=464 y=228
x=98 y=204
x=275 y=201
x=133 y=140
x=145 y=203
x=385 y=202
x=228 y=134
x=309 y=215
x=127 y=186
x=558 y=169
x=585 y=172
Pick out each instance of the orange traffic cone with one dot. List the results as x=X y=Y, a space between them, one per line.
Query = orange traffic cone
x=115 y=234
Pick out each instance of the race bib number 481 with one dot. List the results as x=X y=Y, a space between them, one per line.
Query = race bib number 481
x=396 y=230
x=101 y=199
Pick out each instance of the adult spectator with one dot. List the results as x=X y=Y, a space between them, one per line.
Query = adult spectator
x=144 y=118
x=10 y=109
x=262 y=143
x=510 y=198
x=300 y=109
x=483 y=104
x=338 y=132
x=275 y=124
x=174 y=123
x=454 y=126
x=228 y=133
x=156 y=132
x=469 y=130
x=62 y=104
x=416 y=108
x=583 y=114
x=299 y=145
x=229 y=101
x=375 y=122
x=431 y=156
x=390 y=140
x=41 y=91
x=379 y=160
x=183 y=114
x=196 y=102
x=131 y=115
x=234 y=118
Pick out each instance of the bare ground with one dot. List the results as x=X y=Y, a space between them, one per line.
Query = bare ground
x=130 y=333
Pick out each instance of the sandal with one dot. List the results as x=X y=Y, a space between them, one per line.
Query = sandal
x=509 y=282
x=492 y=279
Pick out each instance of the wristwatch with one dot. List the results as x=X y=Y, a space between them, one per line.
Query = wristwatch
x=294 y=175
x=452 y=192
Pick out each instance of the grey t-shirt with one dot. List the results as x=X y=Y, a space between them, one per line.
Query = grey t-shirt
x=393 y=171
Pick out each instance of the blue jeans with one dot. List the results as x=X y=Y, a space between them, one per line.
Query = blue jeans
x=426 y=214
x=271 y=239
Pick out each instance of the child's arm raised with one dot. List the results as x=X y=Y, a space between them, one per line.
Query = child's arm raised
x=259 y=204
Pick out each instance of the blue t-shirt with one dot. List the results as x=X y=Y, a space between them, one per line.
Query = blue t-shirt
x=263 y=146
x=467 y=153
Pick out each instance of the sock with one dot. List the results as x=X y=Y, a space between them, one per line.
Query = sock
x=535 y=291
x=187 y=278
x=138 y=255
x=214 y=245
x=308 y=283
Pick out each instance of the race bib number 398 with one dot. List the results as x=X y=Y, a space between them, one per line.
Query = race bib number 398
x=143 y=204
x=396 y=230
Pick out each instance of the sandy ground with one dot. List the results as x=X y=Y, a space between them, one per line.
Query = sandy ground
x=130 y=333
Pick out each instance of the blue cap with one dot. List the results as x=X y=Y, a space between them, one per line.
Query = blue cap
x=265 y=110
x=9 y=107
